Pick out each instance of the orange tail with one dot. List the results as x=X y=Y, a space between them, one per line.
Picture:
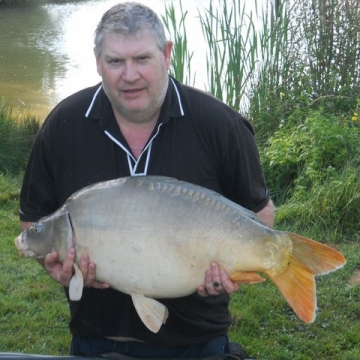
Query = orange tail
x=297 y=282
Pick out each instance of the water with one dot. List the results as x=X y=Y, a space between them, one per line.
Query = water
x=47 y=48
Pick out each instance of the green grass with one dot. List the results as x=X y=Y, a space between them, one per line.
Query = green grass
x=33 y=308
x=34 y=312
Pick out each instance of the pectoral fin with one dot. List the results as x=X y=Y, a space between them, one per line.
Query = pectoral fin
x=76 y=284
x=152 y=313
x=247 y=278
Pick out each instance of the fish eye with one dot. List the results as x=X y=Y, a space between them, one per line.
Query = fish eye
x=39 y=227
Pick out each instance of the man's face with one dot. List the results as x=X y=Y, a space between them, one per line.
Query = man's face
x=134 y=73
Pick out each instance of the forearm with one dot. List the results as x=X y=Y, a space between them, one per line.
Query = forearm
x=24 y=225
x=267 y=214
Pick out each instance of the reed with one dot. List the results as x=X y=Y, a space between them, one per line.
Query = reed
x=16 y=139
x=181 y=55
x=276 y=59
x=294 y=74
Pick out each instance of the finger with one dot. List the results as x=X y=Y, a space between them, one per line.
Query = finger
x=50 y=260
x=66 y=272
x=90 y=276
x=202 y=291
x=228 y=285
x=212 y=280
x=100 y=285
x=83 y=266
x=209 y=286
x=216 y=286
x=88 y=270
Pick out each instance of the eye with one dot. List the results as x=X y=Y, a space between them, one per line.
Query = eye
x=114 y=62
x=39 y=227
x=142 y=59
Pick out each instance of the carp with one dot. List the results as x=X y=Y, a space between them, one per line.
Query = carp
x=154 y=237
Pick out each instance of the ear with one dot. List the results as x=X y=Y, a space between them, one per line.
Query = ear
x=167 y=53
x=98 y=62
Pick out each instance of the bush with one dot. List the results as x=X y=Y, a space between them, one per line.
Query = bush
x=313 y=170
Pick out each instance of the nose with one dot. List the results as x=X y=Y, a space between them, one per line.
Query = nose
x=130 y=73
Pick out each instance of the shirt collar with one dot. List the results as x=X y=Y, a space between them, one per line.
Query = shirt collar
x=100 y=107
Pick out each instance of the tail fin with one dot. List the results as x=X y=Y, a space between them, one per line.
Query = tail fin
x=316 y=257
x=297 y=282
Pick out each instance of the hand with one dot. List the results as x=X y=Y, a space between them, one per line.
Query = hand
x=217 y=282
x=63 y=272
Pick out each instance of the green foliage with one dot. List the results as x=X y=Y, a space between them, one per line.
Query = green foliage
x=312 y=167
x=16 y=139
x=33 y=308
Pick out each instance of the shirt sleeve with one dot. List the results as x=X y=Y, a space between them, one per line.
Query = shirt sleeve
x=38 y=196
x=242 y=176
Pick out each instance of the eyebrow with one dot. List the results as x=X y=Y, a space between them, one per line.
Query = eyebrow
x=139 y=55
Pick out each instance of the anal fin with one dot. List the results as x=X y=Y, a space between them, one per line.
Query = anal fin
x=247 y=278
x=152 y=313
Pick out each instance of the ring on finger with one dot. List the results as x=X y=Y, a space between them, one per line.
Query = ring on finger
x=217 y=284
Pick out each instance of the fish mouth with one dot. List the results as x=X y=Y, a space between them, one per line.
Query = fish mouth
x=24 y=251
x=18 y=246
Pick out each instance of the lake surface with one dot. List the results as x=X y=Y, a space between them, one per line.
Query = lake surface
x=47 y=48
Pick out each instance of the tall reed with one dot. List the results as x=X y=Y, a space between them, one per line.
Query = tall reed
x=16 y=139
x=277 y=58
x=181 y=55
x=231 y=38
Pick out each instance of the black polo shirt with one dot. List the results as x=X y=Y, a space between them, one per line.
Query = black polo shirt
x=197 y=139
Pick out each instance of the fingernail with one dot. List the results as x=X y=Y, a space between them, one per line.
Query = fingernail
x=72 y=251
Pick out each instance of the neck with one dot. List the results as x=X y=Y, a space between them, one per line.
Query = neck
x=136 y=134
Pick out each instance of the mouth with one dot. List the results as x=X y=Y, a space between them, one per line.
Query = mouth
x=132 y=91
x=17 y=242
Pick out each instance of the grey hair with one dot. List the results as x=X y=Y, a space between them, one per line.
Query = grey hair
x=129 y=19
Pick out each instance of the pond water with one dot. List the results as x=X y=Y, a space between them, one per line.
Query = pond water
x=47 y=48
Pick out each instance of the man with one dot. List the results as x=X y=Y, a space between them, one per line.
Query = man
x=140 y=121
